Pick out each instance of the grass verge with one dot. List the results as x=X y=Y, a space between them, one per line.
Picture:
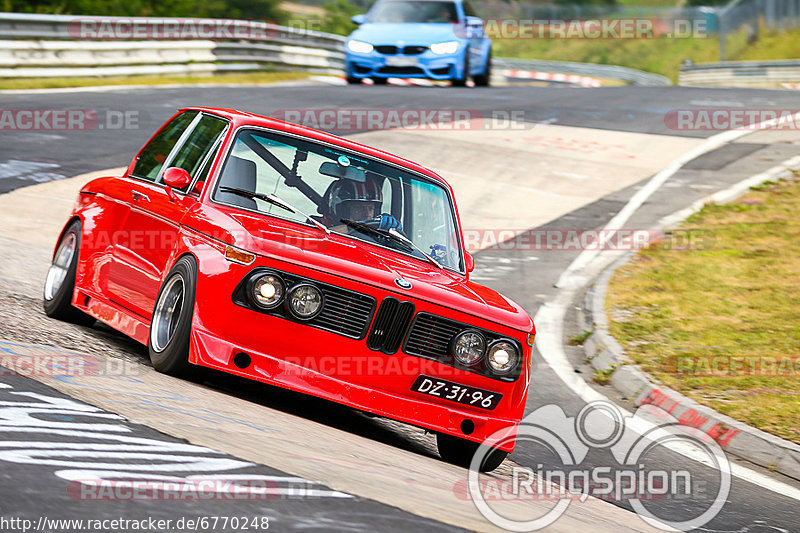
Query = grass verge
x=720 y=324
x=244 y=78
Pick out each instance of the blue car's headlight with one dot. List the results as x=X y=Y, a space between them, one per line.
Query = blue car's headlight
x=450 y=47
x=359 y=47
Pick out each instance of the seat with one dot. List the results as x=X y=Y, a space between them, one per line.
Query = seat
x=240 y=174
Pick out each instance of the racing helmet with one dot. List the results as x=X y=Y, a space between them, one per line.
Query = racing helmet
x=343 y=193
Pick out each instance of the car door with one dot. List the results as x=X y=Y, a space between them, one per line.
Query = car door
x=151 y=227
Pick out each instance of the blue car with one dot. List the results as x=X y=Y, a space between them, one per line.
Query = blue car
x=434 y=39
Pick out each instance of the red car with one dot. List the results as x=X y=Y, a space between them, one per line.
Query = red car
x=303 y=260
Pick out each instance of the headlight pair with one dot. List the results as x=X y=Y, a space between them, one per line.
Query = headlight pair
x=470 y=346
x=268 y=291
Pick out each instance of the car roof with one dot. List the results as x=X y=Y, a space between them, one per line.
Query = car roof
x=244 y=118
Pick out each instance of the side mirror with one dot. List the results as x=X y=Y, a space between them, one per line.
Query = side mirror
x=359 y=19
x=469 y=261
x=177 y=178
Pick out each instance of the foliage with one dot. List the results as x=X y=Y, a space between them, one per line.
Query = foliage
x=236 y=9
x=337 y=17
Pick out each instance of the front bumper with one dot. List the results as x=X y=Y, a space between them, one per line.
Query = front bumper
x=314 y=361
x=425 y=65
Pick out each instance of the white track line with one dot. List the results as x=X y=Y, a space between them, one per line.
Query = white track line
x=549 y=319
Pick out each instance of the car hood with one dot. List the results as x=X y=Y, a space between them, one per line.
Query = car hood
x=409 y=34
x=356 y=260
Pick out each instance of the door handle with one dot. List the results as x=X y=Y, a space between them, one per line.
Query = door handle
x=139 y=196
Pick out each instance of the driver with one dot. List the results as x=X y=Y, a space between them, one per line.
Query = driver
x=360 y=202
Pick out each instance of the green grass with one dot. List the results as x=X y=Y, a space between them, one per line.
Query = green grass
x=245 y=78
x=660 y=56
x=734 y=304
x=578 y=340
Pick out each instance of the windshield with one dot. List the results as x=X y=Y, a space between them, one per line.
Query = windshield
x=413 y=11
x=336 y=187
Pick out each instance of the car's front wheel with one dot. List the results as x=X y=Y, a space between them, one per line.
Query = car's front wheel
x=171 y=325
x=483 y=79
x=380 y=81
x=60 y=282
x=351 y=80
x=462 y=81
x=460 y=452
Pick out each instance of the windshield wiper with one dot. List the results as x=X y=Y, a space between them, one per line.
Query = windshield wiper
x=393 y=235
x=274 y=200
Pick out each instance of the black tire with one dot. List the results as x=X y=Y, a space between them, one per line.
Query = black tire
x=171 y=325
x=60 y=282
x=462 y=82
x=460 y=451
x=483 y=80
x=353 y=81
x=380 y=81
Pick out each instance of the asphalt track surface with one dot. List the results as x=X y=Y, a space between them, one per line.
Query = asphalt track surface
x=748 y=507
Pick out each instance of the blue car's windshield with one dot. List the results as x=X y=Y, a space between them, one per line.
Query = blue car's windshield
x=424 y=11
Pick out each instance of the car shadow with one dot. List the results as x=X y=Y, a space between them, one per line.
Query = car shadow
x=331 y=414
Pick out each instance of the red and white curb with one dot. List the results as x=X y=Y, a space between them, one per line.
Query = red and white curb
x=506 y=75
x=583 y=81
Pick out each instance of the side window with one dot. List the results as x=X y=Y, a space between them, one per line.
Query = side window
x=154 y=154
x=191 y=155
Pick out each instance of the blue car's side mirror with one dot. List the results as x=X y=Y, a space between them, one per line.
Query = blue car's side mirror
x=359 y=19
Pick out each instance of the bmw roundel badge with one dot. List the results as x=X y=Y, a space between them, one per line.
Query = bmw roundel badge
x=402 y=283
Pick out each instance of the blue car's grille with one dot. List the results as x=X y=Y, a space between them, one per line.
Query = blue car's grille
x=388 y=50
x=414 y=50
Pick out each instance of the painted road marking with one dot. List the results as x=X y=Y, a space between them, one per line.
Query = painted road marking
x=29 y=171
x=92 y=449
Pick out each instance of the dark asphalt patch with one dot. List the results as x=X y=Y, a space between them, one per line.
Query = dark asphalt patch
x=723 y=156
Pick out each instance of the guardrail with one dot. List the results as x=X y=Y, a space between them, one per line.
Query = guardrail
x=740 y=73
x=70 y=46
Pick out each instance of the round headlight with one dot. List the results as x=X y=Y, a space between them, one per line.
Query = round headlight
x=468 y=347
x=304 y=301
x=267 y=290
x=502 y=356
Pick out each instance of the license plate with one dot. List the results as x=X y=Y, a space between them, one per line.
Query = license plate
x=448 y=390
x=401 y=61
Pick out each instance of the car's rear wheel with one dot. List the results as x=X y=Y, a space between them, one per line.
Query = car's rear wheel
x=60 y=282
x=483 y=79
x=462 y=82
x=460 y=452
x=171 y=325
